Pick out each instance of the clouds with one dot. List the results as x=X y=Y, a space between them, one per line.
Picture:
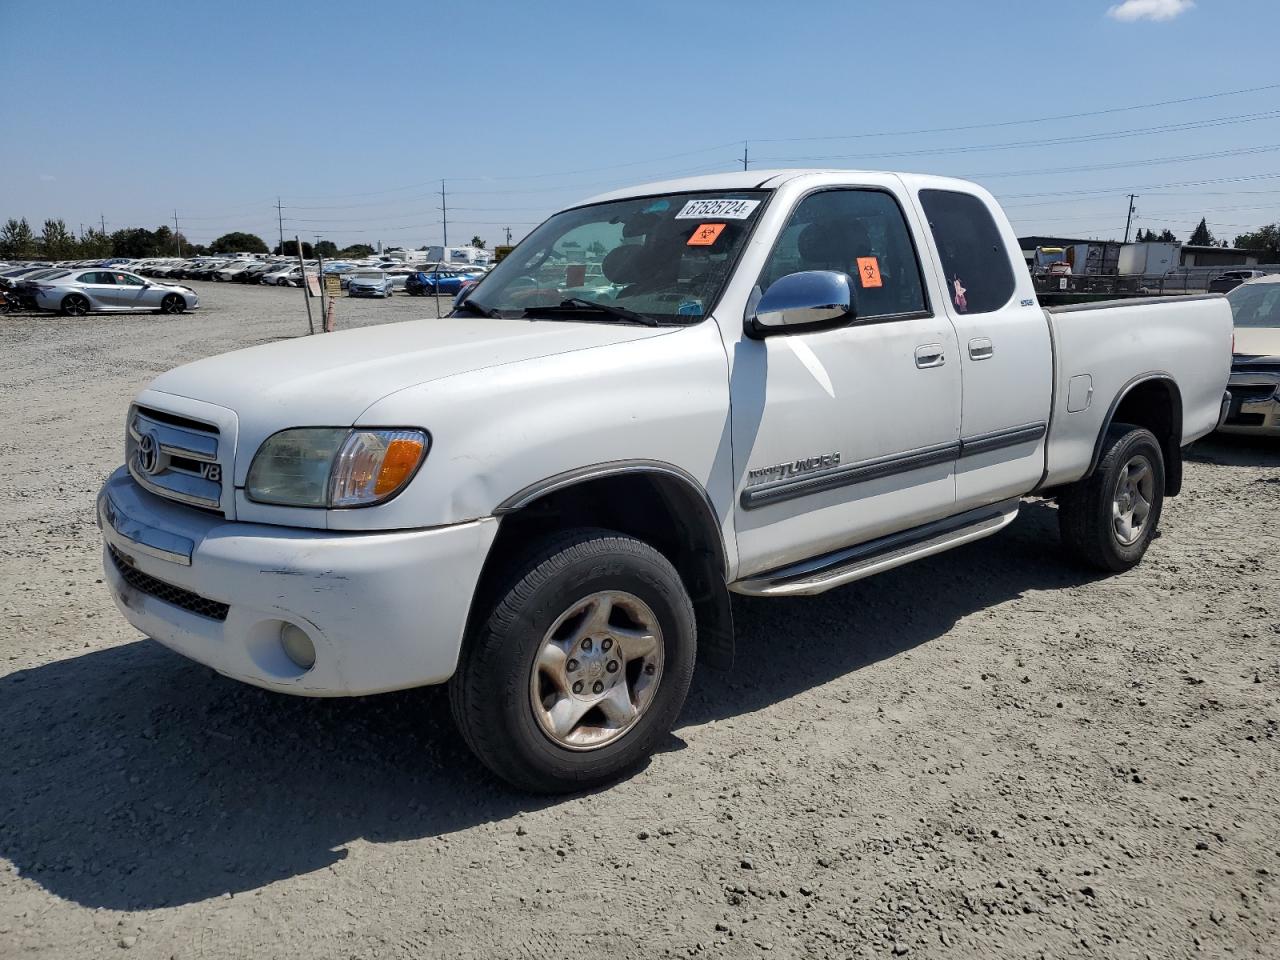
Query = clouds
x=47 y=178
x=1131 y=10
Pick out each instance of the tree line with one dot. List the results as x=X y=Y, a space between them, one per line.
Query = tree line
x=55 y=242
x=1265 y=240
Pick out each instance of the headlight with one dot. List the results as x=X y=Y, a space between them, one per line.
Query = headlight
x=334 y=467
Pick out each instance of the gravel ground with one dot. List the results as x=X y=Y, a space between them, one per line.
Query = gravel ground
x=988 y=753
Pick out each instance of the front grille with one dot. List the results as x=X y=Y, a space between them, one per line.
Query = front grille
x=1251 y=392
x=175 y=457
x=1246 y=420
x=1255 y=366
x=167 y=592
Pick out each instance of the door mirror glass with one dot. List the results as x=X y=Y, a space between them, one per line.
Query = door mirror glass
x=802 y=301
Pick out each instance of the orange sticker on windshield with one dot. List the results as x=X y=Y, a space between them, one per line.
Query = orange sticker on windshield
x=705 y=235
x=869 y=272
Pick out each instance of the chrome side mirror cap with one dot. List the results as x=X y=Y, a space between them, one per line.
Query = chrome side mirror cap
x=809 y=300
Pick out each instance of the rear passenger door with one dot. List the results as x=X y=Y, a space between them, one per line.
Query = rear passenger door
x=100 y=287
x=1006 y=356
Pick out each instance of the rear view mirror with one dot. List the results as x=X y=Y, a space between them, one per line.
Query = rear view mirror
x=809 y=300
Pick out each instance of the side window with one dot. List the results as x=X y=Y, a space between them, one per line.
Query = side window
x=858 y=232
x=975 y=262
x=128 y=280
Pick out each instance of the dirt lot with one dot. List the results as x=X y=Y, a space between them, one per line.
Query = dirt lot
x=989 y=753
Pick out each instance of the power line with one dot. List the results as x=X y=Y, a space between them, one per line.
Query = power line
x=1015 y=123
x=1156 y=161
x=1158 y=186
x=856 y=136
x=1050 y=142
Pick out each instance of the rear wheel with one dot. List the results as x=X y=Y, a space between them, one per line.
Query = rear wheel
x=1109 y=518
x=75 y=305
x=580 y=666
x=173 y=303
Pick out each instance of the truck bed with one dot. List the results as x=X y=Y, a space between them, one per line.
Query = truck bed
x=1101 y=350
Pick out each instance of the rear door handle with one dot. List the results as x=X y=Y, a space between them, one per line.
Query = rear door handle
x=980 y=348
x=930 y=355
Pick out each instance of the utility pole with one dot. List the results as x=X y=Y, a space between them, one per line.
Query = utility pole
x=745 y=161
x=1129 y=219
x=280 y=222
x=103 y=220
x=176 y=236
x=306 y=294
x=444 y=214
x=508 y=236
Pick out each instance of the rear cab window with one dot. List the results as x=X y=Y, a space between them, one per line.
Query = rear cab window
x=975 y=261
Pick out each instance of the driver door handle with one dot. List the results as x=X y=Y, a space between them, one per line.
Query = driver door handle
x=930 y=355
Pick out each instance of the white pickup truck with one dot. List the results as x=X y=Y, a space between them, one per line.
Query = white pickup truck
x=774 y=383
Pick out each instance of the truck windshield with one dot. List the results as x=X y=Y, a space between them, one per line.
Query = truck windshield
x=665 y=257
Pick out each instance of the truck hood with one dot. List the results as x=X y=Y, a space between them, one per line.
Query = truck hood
x=1258 y=341
x=330 y=379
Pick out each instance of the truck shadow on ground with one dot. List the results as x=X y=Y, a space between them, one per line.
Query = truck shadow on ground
x=133 y=779
x=1237 y=450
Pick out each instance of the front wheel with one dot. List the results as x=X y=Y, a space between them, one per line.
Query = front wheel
x=172 y=303
x=581 y=665
x=75 y=305
x=1109 y=518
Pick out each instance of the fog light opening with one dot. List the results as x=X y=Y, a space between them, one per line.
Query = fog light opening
x=298 y=646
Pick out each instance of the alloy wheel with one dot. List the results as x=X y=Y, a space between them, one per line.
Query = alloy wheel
x=1131 y=502
x=597 y=670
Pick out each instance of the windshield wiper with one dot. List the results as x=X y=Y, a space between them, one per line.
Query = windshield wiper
x=576 y=304
x=476 y=308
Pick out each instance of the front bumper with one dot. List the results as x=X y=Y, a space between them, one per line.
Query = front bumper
x=385 y=611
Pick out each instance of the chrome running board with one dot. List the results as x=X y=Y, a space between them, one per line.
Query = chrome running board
x=819 y=574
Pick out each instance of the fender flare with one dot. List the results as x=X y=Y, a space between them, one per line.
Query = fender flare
x=709 y=591
x=1171 y=446
x=597 y=471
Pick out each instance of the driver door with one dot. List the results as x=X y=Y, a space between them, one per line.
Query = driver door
x=847 y=434
x=132 y=293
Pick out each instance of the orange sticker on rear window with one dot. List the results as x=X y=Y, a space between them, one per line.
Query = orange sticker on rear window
x=705 y=235
x=869 y=272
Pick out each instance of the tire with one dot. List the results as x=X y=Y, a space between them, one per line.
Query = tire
x=544 y=647
x=1098 y=515
x=173 y=303
x=75 y=305
x=282 y=282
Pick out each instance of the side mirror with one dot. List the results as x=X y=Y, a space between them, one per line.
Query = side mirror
x=809 y=300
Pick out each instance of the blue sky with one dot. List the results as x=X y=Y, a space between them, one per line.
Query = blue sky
x=352 y=112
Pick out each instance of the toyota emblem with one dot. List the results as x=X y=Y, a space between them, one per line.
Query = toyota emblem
x=148 y=453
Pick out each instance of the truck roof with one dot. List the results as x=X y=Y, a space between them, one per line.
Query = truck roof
x=768 y=180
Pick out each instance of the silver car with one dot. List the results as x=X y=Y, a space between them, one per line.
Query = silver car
x=1255 y=368
x=100 y=290
x=369 y=283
